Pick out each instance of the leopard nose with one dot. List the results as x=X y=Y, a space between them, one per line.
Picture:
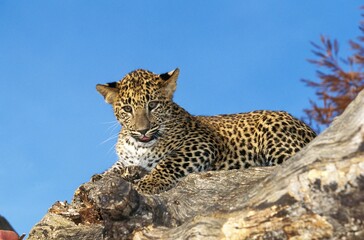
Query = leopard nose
x=143 y=132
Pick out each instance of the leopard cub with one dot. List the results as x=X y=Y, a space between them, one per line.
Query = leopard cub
x=164 y=139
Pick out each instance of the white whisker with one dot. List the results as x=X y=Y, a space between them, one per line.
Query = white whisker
x=110 y=122
x=110 y=138
x=113 y=127
x=112 y=148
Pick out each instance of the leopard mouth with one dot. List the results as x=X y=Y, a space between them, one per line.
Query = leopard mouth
x=145 y=138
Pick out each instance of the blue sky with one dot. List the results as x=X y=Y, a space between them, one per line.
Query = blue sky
x=234 y=56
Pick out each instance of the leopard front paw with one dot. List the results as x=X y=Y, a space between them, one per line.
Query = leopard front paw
x=96 y=177
x=133 y=173
x=148 y=185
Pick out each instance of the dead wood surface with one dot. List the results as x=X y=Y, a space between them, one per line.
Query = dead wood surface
x=318 y=194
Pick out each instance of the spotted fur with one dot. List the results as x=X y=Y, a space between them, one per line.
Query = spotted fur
x=163 y=138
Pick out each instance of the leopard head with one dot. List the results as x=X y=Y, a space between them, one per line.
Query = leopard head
x=141 y=102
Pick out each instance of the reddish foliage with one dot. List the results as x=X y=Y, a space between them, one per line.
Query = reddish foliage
x=8 y=235
x=340 y=83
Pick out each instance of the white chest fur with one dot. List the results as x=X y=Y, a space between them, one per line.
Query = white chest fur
x=134 y=153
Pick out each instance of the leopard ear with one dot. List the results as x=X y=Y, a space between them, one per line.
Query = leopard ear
x=170 y=84
x=109 y=91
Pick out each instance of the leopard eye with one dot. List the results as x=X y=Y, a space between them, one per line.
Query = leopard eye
x=127 y=109
x=152 y=105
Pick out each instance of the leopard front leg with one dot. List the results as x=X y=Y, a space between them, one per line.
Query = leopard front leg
x=157 y=181
x=172 y=169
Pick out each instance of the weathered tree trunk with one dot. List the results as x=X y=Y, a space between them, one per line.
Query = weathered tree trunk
x=318 y=194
